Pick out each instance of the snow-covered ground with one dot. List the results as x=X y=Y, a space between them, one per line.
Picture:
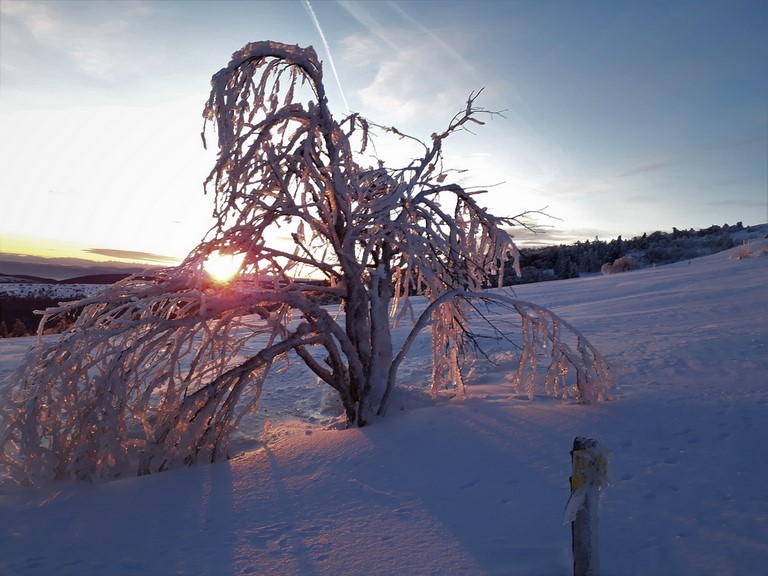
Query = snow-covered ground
x=467 y=486
x=46 y=290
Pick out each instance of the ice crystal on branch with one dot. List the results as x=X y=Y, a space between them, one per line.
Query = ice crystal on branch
x=156 y=373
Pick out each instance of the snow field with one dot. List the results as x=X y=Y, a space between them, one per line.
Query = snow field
x=465 y=486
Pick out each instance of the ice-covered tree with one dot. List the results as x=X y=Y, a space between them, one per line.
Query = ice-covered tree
x=156 y=372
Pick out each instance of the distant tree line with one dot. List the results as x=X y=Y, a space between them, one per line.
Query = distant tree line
x=589 y=257
x=18 y=318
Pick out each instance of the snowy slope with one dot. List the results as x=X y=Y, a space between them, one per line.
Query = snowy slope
x=467 y=486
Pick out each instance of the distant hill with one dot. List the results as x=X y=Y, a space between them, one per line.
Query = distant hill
x=96 y=279
x=654 y=249
x=44 y=272
x=25 y=279
x=89 y=279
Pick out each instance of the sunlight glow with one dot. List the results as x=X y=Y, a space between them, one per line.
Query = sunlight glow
x=223 y=267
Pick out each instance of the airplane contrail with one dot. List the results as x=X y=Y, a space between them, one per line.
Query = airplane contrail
x=308 y=6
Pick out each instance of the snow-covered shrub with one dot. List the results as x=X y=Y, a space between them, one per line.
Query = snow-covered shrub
x=746 y=250
x=158 y=369
x=18 y=330
x=623 y=264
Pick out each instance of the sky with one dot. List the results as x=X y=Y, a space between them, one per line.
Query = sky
x=618 y=117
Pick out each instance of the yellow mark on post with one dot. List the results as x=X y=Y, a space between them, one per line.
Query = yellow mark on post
x=589 y=468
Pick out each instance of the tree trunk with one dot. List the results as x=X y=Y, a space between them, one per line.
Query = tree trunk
x=381 y=336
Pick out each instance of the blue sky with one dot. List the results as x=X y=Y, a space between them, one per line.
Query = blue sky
x=620 y=117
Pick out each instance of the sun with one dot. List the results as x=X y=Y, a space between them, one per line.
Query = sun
x=222 y=267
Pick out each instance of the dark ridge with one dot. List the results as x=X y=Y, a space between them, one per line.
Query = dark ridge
x=95 y=279
x=26 y=279
x=43 y=272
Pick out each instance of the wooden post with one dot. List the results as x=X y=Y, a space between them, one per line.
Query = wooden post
x=589 y=470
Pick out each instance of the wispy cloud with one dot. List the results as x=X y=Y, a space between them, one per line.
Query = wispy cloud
x=387 y=34
x=653 y=166
x=737 y=143
x=96 y=41
x=383 y=34
x=688 y=156
x=411 y=84
x=316 y=22
x=745 y=202
x=556 y=234
x=417 y=74
x=437 y=39
x=37 y=17
x=132 y=255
